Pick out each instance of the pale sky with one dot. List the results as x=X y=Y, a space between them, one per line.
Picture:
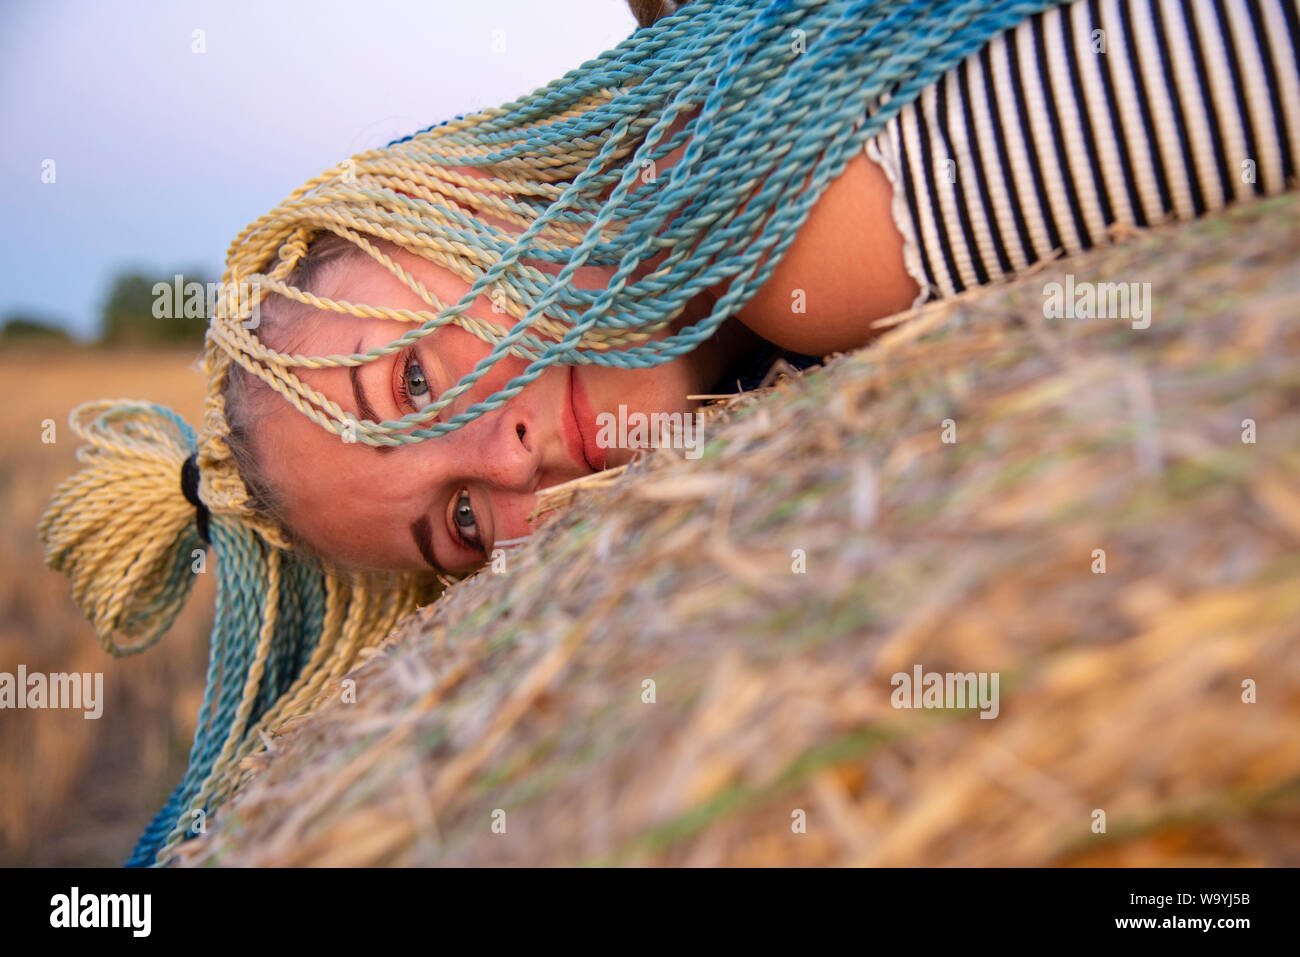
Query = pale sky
x=162 y=154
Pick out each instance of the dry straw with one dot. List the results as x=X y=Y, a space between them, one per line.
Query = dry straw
x=1162 y=692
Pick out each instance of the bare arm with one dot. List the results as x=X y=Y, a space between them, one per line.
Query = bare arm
x=844 y=269
x=847 y=259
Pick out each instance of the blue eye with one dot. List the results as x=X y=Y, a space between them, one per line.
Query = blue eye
x=466 y=522
x=414 y=384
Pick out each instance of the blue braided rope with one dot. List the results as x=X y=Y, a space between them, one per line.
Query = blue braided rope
x=784 y=122
x=241 y=600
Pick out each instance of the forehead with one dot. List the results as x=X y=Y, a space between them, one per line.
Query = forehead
x=360 y=280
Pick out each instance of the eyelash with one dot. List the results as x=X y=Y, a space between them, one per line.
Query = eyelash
x=471 y=545
x=403 y=391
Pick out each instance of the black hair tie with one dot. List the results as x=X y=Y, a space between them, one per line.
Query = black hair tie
x=190 y=486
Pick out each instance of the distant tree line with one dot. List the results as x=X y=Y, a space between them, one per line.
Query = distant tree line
x=141 y=310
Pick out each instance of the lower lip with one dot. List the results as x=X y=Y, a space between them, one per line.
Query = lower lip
x=583 y=419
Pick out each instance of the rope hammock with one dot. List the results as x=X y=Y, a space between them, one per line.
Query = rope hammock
x=775 y=96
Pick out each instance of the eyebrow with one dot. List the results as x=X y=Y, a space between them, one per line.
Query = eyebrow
x=422 y=532
x=363 y=403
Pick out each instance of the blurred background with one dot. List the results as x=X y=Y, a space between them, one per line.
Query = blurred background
x=140 y=139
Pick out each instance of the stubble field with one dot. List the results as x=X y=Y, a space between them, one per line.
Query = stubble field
x=78 y=791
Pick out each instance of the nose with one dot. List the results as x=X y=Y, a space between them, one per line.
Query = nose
x=503 y=451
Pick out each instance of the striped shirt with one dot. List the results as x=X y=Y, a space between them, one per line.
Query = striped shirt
x=1087 y=117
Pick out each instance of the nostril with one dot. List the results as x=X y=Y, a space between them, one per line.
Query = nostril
x=519 y=431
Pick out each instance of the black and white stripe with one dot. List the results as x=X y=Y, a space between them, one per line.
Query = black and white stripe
x=1039 y=143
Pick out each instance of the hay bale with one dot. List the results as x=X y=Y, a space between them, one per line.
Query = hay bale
x=1120 y=691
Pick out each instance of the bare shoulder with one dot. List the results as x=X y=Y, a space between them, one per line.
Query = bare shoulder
x=843 y=271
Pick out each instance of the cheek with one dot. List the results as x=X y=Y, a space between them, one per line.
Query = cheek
x=331 y=493
x=460 y=351
x=359 y=515
x=661 y=388
x=319 y=502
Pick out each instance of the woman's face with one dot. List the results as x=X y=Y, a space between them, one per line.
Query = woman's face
x=444 y=502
